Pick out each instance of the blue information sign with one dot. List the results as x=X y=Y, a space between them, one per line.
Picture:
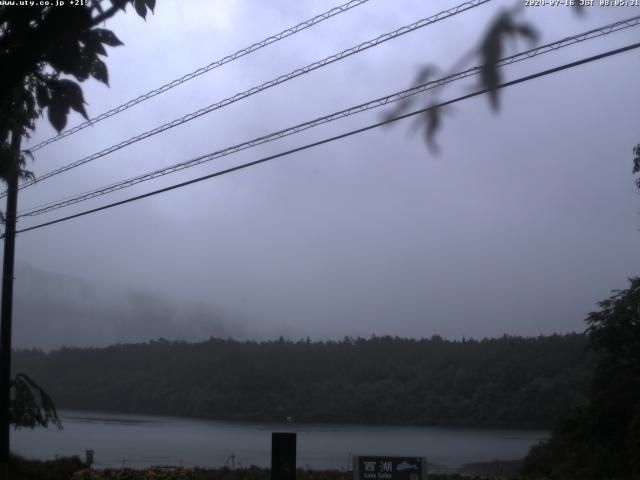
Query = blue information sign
x=389 y=468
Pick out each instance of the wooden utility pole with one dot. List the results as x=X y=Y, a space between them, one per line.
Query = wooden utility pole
x=6 y=308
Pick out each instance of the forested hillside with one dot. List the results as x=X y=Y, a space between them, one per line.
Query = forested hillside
x=507 y=382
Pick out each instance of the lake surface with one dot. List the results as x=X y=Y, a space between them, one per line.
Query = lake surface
x=142 y=440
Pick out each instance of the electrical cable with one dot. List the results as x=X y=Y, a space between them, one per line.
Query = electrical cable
x=428 y=86
x=202 y=70
x=252 y=91
x=336 y=137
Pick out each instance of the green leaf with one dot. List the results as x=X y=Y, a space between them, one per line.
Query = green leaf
x=57 y=114
x=99 y=71
x=42 y=95
x=107 y=37
x=491 y=48
x=70 y=94
x=151 y=4
x=92 y=42
x=491 y=51
x=433 y=125
x=141 y=8
x=64 y=57
x=29 y=104
x=83 y=68
x=121 y=4
x=65 y=94
x=23 y=173
x=31 y=405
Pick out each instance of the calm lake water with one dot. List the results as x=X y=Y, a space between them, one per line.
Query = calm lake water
x=142 y=440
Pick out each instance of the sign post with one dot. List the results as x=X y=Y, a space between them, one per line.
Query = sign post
x=88 y=455
x=283 y=456
x=389 y=468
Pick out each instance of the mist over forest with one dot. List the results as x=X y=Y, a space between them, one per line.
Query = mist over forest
x=54 y=310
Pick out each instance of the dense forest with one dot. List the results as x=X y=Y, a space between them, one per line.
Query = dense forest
x=600 y=439
x=505 y=382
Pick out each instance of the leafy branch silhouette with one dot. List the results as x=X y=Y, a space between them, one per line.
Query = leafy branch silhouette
x=45 y=52
x=507 y=27
x=30 y=405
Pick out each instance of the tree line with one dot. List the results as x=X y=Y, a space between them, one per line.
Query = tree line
x=600 y=438
x=504 y=382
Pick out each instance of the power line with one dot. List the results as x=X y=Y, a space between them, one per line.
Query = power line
x=202 y=70
x=549 y=47
x=271 y=83
x=337 y=137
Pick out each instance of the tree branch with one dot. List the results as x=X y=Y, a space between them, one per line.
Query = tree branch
x=108 y=13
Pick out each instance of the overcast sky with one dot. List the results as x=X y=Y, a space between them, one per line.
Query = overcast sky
x=520 y=225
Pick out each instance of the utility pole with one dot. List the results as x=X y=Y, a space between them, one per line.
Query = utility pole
x=6 y=308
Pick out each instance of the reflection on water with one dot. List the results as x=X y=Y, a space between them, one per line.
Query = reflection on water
x=142 y=440
x=110 y=420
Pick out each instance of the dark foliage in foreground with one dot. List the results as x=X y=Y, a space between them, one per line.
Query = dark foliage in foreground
x=602 y=438
x=509 y=382
x=252 y=473
x=59 y=469
x=30 y=405
x=45 y=53
x=71 y=468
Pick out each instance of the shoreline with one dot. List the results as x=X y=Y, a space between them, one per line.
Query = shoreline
x=311 y=424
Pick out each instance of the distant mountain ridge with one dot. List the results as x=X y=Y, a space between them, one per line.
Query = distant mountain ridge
x=504 y=382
